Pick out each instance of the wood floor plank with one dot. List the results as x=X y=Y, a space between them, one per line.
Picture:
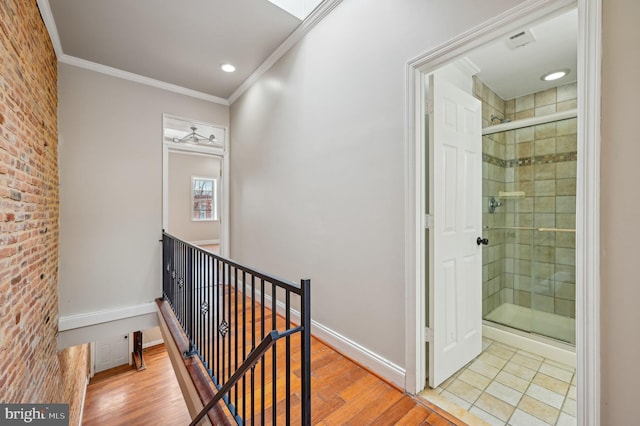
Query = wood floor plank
x=370 y=414
x=322 y=406
x=436 y=419
x=416 y=416
x=369 y=395
x=355 y=389
x=395 y=412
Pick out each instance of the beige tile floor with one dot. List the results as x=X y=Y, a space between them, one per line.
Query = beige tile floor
x=508 y=386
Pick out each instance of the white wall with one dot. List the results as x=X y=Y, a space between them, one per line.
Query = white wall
x=111 y=188
x=620 y=204
x=151 y=336
x=182 y=167
x=317 y=161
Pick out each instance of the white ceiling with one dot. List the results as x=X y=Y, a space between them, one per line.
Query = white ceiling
x=184 y=43
x=177 y=42
x=516 y=72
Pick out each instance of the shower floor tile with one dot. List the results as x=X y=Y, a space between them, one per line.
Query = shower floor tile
x=505 y=386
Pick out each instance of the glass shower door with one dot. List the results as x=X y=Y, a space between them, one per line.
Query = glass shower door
x=529 y=218
x=553 y=297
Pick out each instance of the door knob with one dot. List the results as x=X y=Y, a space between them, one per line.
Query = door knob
x=483 y=241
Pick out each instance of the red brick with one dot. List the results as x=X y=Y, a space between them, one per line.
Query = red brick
x=31 y=369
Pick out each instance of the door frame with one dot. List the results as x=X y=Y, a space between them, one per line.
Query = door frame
x=588 y=189
x=223 y=154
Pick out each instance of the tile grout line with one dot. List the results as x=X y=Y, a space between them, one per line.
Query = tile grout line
x=542 y=361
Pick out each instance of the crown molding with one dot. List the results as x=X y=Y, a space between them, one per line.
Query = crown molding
x=307 y=25
x=311 y=21
x=50 y=23
x=52 y=29
x=115 y=72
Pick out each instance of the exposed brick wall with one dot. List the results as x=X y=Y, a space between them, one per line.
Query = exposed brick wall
x=31 y=370
x=74 y=367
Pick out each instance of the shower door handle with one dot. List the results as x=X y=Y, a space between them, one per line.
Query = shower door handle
x=483 y=241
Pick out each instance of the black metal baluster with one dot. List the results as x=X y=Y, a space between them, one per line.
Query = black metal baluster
x=229 y=314
x=287 y=304
x=197 y=297
x=190 y=294
x=305 y=341
x=207 y=317
x=244 y=342
x=204 y=307
x=174 y=277
x=202 y=304
x=202 y=312
x=253 y=345
x=212 y=314
x=183 y=289
x=175 y=273
x=172 y=281
x=165 y=262
x=212 y=318
x=235 y=332
x=262 y=334
x=165 y=253
x=223 y=373
x=218 y=349
x=274 y=355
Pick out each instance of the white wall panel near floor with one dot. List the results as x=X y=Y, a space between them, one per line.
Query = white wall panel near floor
x=111 y=352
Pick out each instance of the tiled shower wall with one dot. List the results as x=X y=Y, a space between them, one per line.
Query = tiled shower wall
x=494 y=156
x=530 y=268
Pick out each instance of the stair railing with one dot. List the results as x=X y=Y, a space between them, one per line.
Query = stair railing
x=246 y=327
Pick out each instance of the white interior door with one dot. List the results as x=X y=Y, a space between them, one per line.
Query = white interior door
x=111 y=352
x=455 y=193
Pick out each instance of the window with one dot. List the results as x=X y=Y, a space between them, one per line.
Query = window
x=204 y=199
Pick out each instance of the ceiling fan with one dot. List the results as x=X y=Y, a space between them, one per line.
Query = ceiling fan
x=195 y=138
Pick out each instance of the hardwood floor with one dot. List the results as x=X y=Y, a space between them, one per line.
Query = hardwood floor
x=343 y=393
x=130 y=397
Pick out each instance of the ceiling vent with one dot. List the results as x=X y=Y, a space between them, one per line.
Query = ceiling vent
x=520 y=38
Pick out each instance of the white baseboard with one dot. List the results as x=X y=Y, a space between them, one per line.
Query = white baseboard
x=353 y=350
x=152 y=343
x=367 y=358
x=204 y=242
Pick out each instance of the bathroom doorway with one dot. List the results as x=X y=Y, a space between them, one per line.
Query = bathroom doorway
x=521 y=202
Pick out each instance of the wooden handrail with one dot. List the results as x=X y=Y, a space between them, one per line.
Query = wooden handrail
x=202 y=383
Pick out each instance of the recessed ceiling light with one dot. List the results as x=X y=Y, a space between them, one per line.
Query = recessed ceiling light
x=554 y=75
x=227 y=68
